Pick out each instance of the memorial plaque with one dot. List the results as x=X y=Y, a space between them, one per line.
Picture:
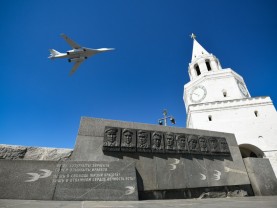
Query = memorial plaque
x=143 y=141
x=170 y=143
x=135 y=140
x=112 y=139
x=157 y=142
x=128 y=140
x=193 y=144
x=96 y=181
x=203 y=145
x=182 y=146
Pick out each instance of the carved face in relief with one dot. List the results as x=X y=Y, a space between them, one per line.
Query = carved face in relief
x=127 y=136
x=224 y=144
x=169 y=138
x=182 y=141
x=111 y=135
x=202 y=143
x=213 y=143
x=193 y=143
x=142 y=138
x=157 y=138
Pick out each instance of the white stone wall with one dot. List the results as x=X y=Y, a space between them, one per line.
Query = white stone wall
x=238 y=117
x=215 y=83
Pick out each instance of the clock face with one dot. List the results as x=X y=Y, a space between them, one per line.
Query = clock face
x=242 y=88
x=198 y=94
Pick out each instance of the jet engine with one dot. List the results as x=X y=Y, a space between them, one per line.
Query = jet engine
x=77 y=59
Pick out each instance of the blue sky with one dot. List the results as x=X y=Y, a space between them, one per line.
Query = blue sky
x=41 y=105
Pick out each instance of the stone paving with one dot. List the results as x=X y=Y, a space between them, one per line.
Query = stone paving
x=245 y=202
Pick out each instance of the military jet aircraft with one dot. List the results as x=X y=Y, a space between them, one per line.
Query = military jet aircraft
x=78 y=54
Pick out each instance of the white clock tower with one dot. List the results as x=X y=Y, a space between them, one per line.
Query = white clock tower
x=217 y=99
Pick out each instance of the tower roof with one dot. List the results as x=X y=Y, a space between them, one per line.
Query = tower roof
x=198 y=50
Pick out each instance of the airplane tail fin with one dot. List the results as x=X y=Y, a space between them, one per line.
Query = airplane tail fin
x=53 y=53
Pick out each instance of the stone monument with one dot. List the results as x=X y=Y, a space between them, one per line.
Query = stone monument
x=170 y=162
x=115 y=160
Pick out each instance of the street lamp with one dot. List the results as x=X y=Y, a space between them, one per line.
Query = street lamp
x=163 y=121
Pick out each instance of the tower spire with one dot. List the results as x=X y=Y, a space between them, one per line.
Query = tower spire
x=198 y=50
x=202 y=61
x=193 y=36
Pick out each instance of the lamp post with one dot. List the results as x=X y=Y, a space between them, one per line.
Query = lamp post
x=163 y=121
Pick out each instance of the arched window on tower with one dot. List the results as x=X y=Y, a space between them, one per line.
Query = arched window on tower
x=196 y=67
x=224 y=93
x=208 y=65
x=256 y=113
x=248 y=150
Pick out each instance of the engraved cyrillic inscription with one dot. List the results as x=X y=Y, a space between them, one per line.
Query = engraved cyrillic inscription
x=89 y=172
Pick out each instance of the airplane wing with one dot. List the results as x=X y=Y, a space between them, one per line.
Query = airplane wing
x=71 y=42
x=75 y=67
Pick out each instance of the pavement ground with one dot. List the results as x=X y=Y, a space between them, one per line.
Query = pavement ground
x=245 y=202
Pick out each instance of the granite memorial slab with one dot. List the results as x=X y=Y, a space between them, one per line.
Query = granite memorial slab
x=22 y=179
x=68 y=180
x=170 y=169
x=166 y=158
x=261 y=175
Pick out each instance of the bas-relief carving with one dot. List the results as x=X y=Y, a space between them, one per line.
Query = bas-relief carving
x=193 y=144
x=157 y=142
x=182 y=146
x=203 y=145
x=170 y=143
x=224 y=146
x=128 y=143
x=112 y=139
x=214 y=145
x=143 y=141
x=133 y=140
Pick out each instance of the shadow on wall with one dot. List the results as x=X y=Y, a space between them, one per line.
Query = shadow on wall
x=249 y=150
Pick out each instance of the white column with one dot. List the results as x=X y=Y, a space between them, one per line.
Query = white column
x=202 y=66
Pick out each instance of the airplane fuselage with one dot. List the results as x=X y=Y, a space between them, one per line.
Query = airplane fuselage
x=78 y=54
